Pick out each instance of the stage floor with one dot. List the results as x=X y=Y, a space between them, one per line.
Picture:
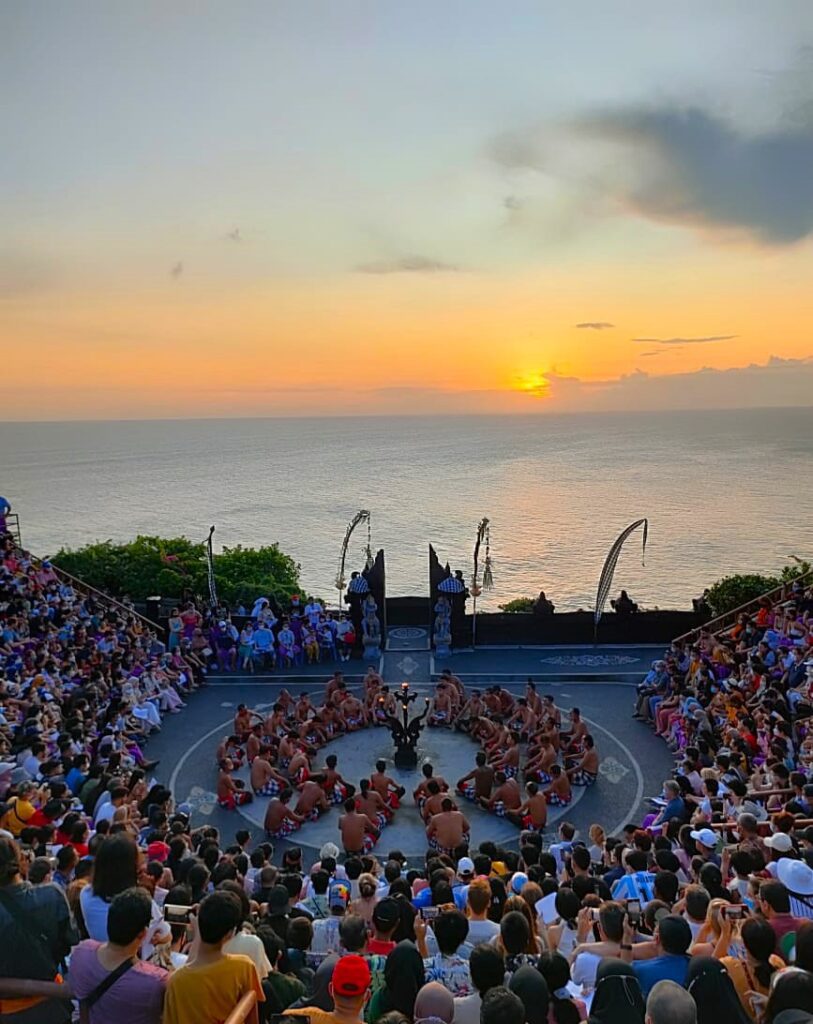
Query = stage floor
x=633 y=763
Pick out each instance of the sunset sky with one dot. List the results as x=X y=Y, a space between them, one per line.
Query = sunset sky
x=369 y=206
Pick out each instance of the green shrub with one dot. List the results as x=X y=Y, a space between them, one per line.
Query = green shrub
x=519 y=605
x=163 y=566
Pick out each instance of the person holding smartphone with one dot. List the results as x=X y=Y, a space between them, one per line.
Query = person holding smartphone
x=672 y=938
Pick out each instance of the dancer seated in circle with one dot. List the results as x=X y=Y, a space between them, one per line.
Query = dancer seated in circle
x=231 y=793
x=359 y=833
x=442 y=708
x=539 y=763
x=313 y=731
x=288 y=746
x=354 y=713
x=254 y=741
x=523 y=721
x=571 y=739
x=420 y=794
x=507 y=761
x=387 y=788
x=498 y=739
x=434 y=798
x=506 y=797
x=312 y=802
x=470 y=712
x=299 y=770
x=370 y=802
x=337 y=789
x=533 y=812
x=229 y=747
x=584 y=771
x=479 y=782
x=558 y=793
x=333 y=684
x=280 y=821
x=265 y=781
x=304 y=709
x=274 y=725
x=243 y=723
x=385 y=707
x=448 y=830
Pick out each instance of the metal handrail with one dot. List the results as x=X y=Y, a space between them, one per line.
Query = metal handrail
x=716 y=625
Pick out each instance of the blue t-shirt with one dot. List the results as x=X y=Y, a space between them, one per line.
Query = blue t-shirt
x=668 y=967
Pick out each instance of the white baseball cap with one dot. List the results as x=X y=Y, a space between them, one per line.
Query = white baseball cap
x=706 y=837
x=465 y=866
x=779 y=841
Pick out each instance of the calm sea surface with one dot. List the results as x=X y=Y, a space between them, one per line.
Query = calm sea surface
x=724 y=492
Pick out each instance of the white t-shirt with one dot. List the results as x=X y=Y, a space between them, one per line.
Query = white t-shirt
x=467 y=1009
x=252 y=947
x=584 y=969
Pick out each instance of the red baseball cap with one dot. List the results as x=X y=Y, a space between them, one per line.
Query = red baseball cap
x=157 y=851
x=351 y=976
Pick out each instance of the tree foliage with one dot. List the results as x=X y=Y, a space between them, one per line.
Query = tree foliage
x=522 y=605
x=732 y=591
x=171 y=566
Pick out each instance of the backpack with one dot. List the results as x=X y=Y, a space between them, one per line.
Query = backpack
x=25 y=939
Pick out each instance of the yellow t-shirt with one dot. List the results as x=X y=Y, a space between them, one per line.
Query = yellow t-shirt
x=18 y=814
x=207 y=994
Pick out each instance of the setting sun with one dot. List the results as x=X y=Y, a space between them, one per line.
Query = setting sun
x=533 y=384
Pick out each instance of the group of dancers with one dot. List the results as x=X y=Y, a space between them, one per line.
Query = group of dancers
x=281 y=746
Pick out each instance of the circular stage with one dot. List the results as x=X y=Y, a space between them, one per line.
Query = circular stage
x=451 y=754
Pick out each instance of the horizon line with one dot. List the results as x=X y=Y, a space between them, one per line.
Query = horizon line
x=411 y=416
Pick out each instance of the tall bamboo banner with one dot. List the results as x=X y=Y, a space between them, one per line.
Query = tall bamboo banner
x=362 y=516
x=483 y=537
x=210 y=567
x=605 y=581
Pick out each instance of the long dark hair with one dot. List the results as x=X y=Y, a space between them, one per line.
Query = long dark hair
x=760 y=941
x=115 y=867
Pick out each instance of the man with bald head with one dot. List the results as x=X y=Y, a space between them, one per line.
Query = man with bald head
x=670 y=1003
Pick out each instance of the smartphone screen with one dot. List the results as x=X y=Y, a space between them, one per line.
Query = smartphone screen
x=429 y=913
x=634 y=910
x=733 y=912
x=176 y=914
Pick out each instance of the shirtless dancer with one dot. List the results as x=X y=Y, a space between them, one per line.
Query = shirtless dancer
x=370 y=802
x=442 y=709
x=505 y=798
x=265 y=781
x=387 y=788
x=479 y=782
x=558 y=793
x=508 y=760
x=359 y=834
x=584 y=771
x=533 y=812
x=337 y=789
x=280 y=820
x=470 y=712
x=448 y=830
x=434 y=800
x=312 y=802
x=420 y=794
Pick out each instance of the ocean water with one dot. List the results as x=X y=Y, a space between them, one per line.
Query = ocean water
x=724 y=492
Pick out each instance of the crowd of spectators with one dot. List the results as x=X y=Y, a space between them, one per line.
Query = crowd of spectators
x=270 y=637
x=113 y=905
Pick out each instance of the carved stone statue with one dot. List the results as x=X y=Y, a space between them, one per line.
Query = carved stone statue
x=442 y=632
x=371 y=629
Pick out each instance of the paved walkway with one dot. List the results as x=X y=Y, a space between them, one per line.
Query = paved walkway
x=598 y=680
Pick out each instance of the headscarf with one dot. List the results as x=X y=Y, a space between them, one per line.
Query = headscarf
x=713 y=991
x=403 y=978
x=617 y=998
x=434 y=1004
x=320 y=996
x=527 y=983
